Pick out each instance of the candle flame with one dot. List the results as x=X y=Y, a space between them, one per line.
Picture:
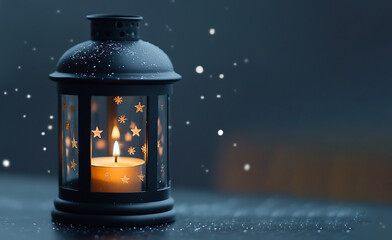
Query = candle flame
x=115 y=133
x=116 y=149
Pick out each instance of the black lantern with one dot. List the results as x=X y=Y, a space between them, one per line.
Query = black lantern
x=114 y=128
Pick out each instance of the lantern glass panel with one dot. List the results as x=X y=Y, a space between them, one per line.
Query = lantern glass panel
x=162 y=142
x=69 y=136
x=118 y=143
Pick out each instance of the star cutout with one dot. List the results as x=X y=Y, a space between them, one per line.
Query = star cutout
x=74 y=142
x=135 y=131
x=139 y=107
x=144 y=149
x=107 y=176
x=141 y=177
x=118 y=99
x=97 y=132
x=64 y=106
x=125 y=179
x=131 y=151
x=73 y=164
x=122 y=119
x=72 y=107
x=67 y=125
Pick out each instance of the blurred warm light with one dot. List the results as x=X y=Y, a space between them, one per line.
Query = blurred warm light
x=67 y=142
x=132 y=125
x=100 y=144
x=128 y=137
x=159 y=126
x=116 y=149
x=160 y=151
x=94 y=107
x=115 y=133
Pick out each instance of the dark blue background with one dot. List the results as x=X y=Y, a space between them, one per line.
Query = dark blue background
x=318 y=76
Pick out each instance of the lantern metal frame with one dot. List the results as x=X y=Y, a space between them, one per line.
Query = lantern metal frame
x=152 y=206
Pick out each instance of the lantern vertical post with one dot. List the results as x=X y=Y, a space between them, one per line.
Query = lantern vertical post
x=84 y=118
x=152 y=122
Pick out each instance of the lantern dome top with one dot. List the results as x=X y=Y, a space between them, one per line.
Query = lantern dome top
x=115 y=53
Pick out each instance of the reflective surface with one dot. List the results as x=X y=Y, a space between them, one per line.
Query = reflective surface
x=200 y=215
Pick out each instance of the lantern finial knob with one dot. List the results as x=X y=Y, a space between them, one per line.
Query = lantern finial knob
x=108 y=27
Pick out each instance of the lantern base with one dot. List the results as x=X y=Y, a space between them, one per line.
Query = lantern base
x=138 y=214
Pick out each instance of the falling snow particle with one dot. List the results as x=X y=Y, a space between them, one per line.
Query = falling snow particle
x=187 y=122
x=146 y=24
x=207 y=170
x=246 y=60
x=43 y=133
x=221 y=76
x=24 y=116
x=28 y=96
x=50 y=127
x=44 y=148
x=58 y=11
x=218 y=96
x=234 y=64
x=5 y=93
x=199 y=69
x=220 y=132
x=34 y=49
x=51 y=117
x=71 y=40
x=202 y=97
x=51 y=58
x=212 y=31
x=16 y=89
x=48 y=171
x=169 y=127
x=19 y=67
x=234 y=144
x=6 y=163
x=247 y=167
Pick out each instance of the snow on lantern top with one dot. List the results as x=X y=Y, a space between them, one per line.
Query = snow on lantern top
x=115 y=53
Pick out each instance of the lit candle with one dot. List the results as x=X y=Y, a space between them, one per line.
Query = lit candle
x=117 y=174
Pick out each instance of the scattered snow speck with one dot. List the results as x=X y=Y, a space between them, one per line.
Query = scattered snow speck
x=212 y=31
x=58 y=11
x=246 y=60
x=6 y=163
x=5 y=93
x=199 y=69
x=43 y=133
x=220 y=132
x=202 y=97
x=28 y=96
x=34 y=49
x=16 y=89
x=44 y=148
x=71 y=40
x=146 y=24
x=207 y=170
x=50 y=127
x=51 y=117
x=247 y=167
x=169 y=127
x=51 y=58
x=210 y=76
x=221 y=76
x=187 y=122
x=218 y=96
x=24 y=116
x=19 y=67
x=234 y=144
x=48 y=171
x=234 y=64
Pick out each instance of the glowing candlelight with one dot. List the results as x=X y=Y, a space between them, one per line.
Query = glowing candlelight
x=116 y=151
